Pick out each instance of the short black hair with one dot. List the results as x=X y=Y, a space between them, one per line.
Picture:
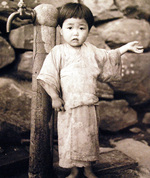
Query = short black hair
x=75 y=10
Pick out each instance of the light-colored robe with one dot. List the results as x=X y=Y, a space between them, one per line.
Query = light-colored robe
x=74 y=73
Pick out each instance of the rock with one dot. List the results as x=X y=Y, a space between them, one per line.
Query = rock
x=105 y=149
x=22 y=37
x=136 y=150
x=7 y=54
x=116 y=115
x=144 y=172
x=15 y=104
x=7 y=7
x=135 y=130
x=148 y=131
x=25 y=65
x=134 y=8
x=29 y=3
x=103 y=10
x=122 y=31
x=104 y=91
x=135 y=83
x=93 y=36
x=1 y=150
x=146 y=119
x=56 y=3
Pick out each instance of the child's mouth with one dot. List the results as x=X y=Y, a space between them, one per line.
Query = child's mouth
x=75 y=39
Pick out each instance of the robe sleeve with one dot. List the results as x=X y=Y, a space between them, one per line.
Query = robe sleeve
x=109 y=62
x=49 y=73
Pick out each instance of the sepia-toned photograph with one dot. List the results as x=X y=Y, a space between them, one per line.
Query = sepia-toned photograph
x=74 y=89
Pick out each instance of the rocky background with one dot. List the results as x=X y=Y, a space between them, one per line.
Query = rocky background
x=123 y=105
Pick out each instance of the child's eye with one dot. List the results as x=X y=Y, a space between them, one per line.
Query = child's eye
x=81 y=28
x=69 y=28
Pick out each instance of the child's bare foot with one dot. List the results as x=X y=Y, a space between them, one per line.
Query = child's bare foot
x=88 y=173
x=74 y=173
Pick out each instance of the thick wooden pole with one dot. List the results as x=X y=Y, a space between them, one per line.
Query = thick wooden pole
x=40 y=162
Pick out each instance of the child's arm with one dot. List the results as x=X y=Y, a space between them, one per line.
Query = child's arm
x=57 y=102
x=131 y=46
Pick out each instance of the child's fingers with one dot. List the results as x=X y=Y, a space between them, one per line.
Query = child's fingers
x=60 y=109
x=133 y=43
x=139 y=50
x=140 y=47
x=136 y=43
x=57 y=109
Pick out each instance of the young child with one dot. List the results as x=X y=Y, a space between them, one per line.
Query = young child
x=69 y=75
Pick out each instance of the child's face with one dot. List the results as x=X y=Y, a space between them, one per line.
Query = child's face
x=75 y=31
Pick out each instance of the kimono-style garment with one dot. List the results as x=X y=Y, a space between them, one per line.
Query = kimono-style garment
x=73 y=73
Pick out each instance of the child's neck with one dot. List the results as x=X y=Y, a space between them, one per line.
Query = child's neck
x=75 y=48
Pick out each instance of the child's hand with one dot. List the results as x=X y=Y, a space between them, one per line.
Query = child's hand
x=58 y=104
x=135 y=47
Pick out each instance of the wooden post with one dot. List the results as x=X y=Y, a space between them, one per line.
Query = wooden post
x=40 y=161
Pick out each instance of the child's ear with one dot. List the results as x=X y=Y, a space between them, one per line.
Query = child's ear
x=60 y=31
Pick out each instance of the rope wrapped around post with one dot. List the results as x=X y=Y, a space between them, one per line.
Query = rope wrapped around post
x=40 y=161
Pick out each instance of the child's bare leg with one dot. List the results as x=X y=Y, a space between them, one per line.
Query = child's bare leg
x=74 y=173
x=89 y=173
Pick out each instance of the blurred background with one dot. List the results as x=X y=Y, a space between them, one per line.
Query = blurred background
x=124 y=106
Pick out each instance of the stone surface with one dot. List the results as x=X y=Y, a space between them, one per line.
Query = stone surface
x=55 y=3
x=93 y=36
x=25 y=65
x=112 y=161
x=7 y=53
x=124 y=30
x=15 y=104
x=116 y=115
x=7 y=7
x=22 y=37
x=148 y=131
x=135 y=83
x=104 y=91
x=12 y=159
x=134 y=8
x=136 y=150
x=146 y=119
x=135 y=130
x=103 y=10
x=29 y=3
x=46 y=15
x=40 y=163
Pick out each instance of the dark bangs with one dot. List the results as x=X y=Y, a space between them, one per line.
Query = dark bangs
x=75 y=10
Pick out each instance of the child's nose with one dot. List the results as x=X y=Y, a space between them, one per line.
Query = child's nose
x=75 y=32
